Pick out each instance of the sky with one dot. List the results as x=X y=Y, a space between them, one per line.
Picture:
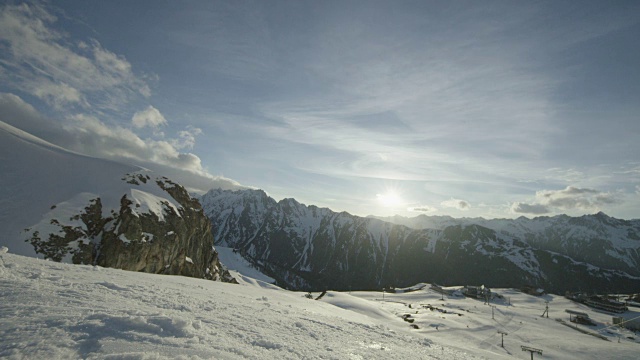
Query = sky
x=497 y=109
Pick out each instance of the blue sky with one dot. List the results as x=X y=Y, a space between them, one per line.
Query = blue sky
x=493 y=108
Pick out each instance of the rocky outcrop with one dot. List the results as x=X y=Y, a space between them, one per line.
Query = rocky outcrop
x=146 y=233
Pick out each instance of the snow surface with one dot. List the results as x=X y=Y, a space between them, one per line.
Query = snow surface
x=61 y=311
x=40 y=181
x=240 y=267
x=145 y=203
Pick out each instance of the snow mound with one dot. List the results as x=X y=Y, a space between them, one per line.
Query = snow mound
x=358 y=305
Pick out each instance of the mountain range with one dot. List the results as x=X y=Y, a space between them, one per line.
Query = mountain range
x=68 y=207
x=306 y=247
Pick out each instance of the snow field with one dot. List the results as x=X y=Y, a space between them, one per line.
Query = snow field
x=61 y=311
x=468 y=325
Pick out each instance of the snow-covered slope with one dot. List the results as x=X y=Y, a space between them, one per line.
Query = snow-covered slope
x=240 y=268
x=36 y=175
x=73 y=208
x=59 y=311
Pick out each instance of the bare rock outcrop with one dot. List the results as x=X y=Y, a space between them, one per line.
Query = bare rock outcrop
x=146 y=233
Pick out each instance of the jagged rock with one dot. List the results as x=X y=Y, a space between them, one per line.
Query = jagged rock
x=176 y=241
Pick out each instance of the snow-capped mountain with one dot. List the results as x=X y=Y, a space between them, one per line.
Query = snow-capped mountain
x=78 y=209
x=596 y=239
x=306 y=247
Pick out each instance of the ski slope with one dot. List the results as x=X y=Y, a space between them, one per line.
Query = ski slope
x=61 y=311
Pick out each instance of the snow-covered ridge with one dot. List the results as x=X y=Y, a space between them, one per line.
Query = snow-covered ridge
x=73 y=208
x=41 y=182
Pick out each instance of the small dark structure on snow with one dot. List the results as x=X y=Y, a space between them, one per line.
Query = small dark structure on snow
x=478 y=292
x=579 y=318
x=598 y=302
x=532 y=290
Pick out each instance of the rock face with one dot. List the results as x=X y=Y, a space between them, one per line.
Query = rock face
x=148 y=233
x=310 y=248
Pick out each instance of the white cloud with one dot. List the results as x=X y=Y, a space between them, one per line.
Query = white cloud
x=567 y=199
x=40 y=60
x=576 y=198
x=186 y=138
x=457 y=204
x=150 y=117
x=89 y=135
x=58 y=95
x=16 y=112
x=422 y=208
x=535 y=209
x=93 y=137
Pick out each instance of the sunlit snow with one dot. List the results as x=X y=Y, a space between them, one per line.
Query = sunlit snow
x=60 y=311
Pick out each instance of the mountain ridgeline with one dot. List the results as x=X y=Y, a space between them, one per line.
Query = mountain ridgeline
x=310 y=248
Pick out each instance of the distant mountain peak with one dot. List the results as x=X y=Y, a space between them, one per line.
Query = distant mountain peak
x=305 y=247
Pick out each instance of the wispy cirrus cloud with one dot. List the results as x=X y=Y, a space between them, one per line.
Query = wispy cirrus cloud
x=401 y=110
x=63 y=72
x=81 y=81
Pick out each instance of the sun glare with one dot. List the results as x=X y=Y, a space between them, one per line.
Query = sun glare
x=389 y=199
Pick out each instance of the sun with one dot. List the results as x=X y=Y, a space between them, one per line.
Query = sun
x=389 y=199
